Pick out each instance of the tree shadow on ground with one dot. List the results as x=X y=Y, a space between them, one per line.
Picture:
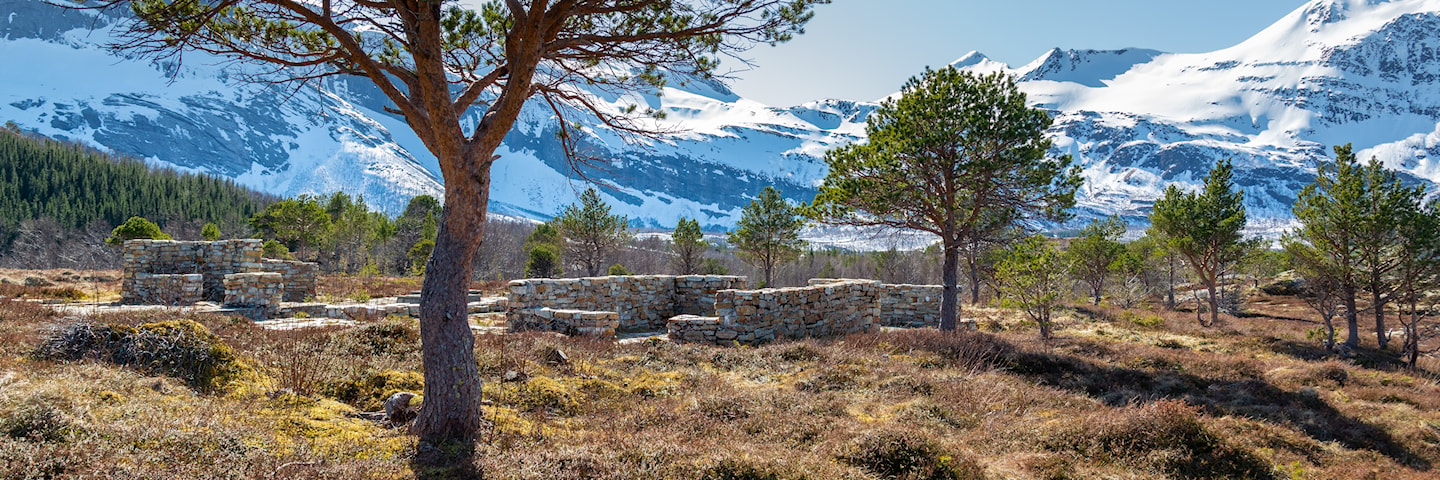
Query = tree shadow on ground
x=1245 y=397
x=445 y=462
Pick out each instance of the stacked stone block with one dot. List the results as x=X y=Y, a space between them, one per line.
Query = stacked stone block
x=903 y=305
x=755 y=316
x=262 y=290
x=592 y=323
x=299 y=277
x=148 y=262
x=639 y=302
x=164 y=289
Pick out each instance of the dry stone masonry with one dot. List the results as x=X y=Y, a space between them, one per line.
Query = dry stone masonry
x=262 y=291
x=602 y=305
x=165 y=272
x=757 y=316
x=902 y=305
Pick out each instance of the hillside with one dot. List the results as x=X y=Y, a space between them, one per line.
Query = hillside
x=1130 y=394
x=75 y=185
x=1331 y=72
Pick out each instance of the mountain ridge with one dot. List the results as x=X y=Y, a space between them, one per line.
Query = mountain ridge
x=1332 y=71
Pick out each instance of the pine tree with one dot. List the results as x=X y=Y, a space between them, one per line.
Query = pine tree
x=768 y=233
x=1204 y=227
x=689 y=245
x=591 y=233
x=1031 y=278
x=1350 y=219
x=952 y=155
x=210 y=232
x=460 y=75
x=1095 y=254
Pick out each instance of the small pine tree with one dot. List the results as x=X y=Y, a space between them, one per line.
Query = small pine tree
x=618 y=270
x=1031 y=278
x=689 y=245
x=419 y=254
x=210 y=232
x=544 y=261
x=1094 y=254
x=713 y=267
x=136 y=228
x=768 y=233
x=591 y=232
x=275 y=249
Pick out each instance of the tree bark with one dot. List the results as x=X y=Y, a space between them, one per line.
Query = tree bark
x=1170 y=293
x=1352 y=323
x=974 y=266
x=1213 y=285
x=1382 y=337
x=949 y=297
x=451 y=409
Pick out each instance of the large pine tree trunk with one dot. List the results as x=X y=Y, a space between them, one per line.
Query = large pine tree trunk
x=451 y=408
x=949 y=297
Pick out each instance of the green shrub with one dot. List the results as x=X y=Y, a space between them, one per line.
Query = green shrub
x=908 y=455
x=1165 y=435
x=37 y=422
x=369 y=392
x=618 y=270
x=136 y=228
x=1147 y=320
x=182 y=349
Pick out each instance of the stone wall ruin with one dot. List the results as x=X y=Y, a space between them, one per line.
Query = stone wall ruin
x=600 y=306
x=170 y=272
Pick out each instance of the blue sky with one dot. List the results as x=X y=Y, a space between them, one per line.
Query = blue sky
x=866 y=49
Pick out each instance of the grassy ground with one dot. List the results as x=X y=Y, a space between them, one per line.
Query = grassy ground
x=1121 y=394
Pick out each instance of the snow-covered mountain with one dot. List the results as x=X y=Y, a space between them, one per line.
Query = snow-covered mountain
x=60 y=81
x=1331 y=72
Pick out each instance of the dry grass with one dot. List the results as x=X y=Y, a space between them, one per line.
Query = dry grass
x=1111 y=398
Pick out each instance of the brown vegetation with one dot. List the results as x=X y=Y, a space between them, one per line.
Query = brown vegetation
x=1118 y=394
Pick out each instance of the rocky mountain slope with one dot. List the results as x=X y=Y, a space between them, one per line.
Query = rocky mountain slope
x=1331 y=72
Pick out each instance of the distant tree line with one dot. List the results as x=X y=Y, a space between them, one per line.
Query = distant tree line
x=75 y=185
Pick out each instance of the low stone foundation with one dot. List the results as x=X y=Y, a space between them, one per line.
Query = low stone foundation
x=164 y=289
x=299 y=277
x=263 y=291
x=570 y=322
x=757 y=316
x=640 y=302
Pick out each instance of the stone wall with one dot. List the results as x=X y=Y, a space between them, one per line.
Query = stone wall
x=903 y=305
x=299 y=277
x=165 y=289
x=756 y=316
x=213 y=262
x=640 y=302
x=260 y=290
x=910 y=306
x=567 y=321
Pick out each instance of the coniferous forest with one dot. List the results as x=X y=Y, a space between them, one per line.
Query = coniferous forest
x=75 y=185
